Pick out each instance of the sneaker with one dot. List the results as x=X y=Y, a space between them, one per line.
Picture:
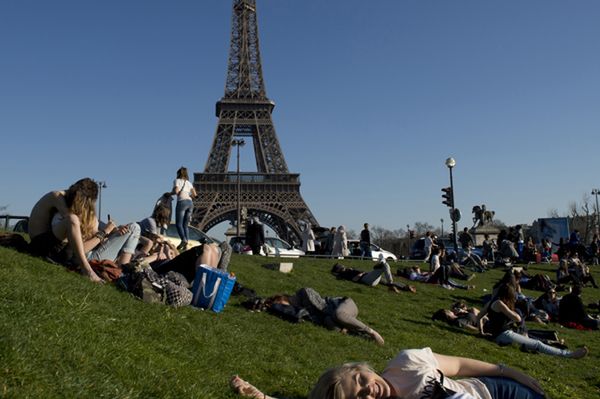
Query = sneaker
x=579 y=353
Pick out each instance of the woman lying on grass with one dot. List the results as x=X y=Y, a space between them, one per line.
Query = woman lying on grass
x=459 y=315
x=412 y=374
x=335 y=313
x=380 y=270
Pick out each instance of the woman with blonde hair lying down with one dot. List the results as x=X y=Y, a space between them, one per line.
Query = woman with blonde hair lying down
x=413 y=374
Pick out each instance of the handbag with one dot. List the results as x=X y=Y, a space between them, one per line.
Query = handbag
x=107 y=270
x=211 y=288
x=435 y=389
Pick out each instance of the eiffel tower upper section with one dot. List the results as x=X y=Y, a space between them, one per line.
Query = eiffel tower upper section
x=271 y=192
x=245 y=100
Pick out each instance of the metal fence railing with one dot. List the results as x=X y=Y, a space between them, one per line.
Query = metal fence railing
x=7 y=218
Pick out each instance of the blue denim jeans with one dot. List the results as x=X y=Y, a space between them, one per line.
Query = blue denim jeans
x=505 y=388
x=115 y=244
x=373 y=277
x=365 y=250
x=511 y=337
x=183 y=214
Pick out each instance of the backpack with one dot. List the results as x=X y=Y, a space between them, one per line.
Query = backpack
x=171 y=289
x=14 y=241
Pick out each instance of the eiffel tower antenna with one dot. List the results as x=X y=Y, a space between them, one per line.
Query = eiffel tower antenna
x=271 y=193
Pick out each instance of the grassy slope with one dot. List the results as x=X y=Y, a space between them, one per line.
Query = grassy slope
x=61 y=336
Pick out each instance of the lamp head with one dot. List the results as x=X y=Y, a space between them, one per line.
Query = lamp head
x=450 y=162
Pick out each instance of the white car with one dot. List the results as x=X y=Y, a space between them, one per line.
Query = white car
x=197 y=236
x=354 y=247
x=274 y=246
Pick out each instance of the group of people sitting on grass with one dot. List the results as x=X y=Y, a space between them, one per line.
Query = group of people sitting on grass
x=63 y=228
x=503 y=315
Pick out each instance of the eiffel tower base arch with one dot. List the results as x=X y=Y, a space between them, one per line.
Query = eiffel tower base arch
x=278 y=204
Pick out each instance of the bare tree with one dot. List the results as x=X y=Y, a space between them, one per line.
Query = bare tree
x=423 y=227
x=351 y=234
x=582 y=217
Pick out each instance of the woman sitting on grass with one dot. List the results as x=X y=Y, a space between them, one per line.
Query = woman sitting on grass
x=412 y=374
x=502 y=318
x=50 y=236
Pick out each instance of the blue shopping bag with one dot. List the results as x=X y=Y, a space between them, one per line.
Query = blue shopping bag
x=212 y=288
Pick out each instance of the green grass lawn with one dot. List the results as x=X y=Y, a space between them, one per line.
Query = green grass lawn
x=64 y=337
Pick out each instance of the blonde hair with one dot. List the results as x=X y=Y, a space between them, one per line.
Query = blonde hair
x=329 y=384
x=80 y=198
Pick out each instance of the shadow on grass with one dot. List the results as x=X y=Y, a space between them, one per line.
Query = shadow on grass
x=447 y=327
x=417 y=322
x=469 y=300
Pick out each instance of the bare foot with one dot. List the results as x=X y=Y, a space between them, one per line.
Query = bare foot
x=244 y=388
x=378 y=338
x=92 y=276
x=579 y=353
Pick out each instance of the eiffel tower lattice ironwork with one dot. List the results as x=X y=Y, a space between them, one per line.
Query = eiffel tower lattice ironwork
x=271 y=193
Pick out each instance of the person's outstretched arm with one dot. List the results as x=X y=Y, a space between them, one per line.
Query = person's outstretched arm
x=453 y=366
x=247 y=390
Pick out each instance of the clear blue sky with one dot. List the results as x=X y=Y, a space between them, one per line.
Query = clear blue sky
x=372 y=97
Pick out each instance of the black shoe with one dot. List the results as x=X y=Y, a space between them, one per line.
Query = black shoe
x=182 y=246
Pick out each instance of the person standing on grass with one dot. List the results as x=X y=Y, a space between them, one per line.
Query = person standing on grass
x=340 y=243
x=488 y=248
x=67 y=218
x=365 y=242
x=255 y=235
x=329 y=242
x=466 y=239
x=308 y=239
x=427 y=246
x=185 y=191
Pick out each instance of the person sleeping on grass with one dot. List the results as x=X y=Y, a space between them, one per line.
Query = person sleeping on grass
x=416 y=374
x=335 y=313
x=380 y=270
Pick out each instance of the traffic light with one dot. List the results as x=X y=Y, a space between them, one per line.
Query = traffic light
x=448 y=197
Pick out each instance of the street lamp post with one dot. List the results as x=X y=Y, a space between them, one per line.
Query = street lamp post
x=238 y=143
x=450 y=163
x=595 y=192
x=101 y=185
x=408 y=234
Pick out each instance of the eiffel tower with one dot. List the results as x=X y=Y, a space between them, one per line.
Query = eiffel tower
x=271 y=193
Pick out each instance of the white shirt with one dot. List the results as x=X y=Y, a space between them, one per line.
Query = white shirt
x=413 y=369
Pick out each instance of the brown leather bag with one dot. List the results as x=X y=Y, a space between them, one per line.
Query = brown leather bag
x=107 y=270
